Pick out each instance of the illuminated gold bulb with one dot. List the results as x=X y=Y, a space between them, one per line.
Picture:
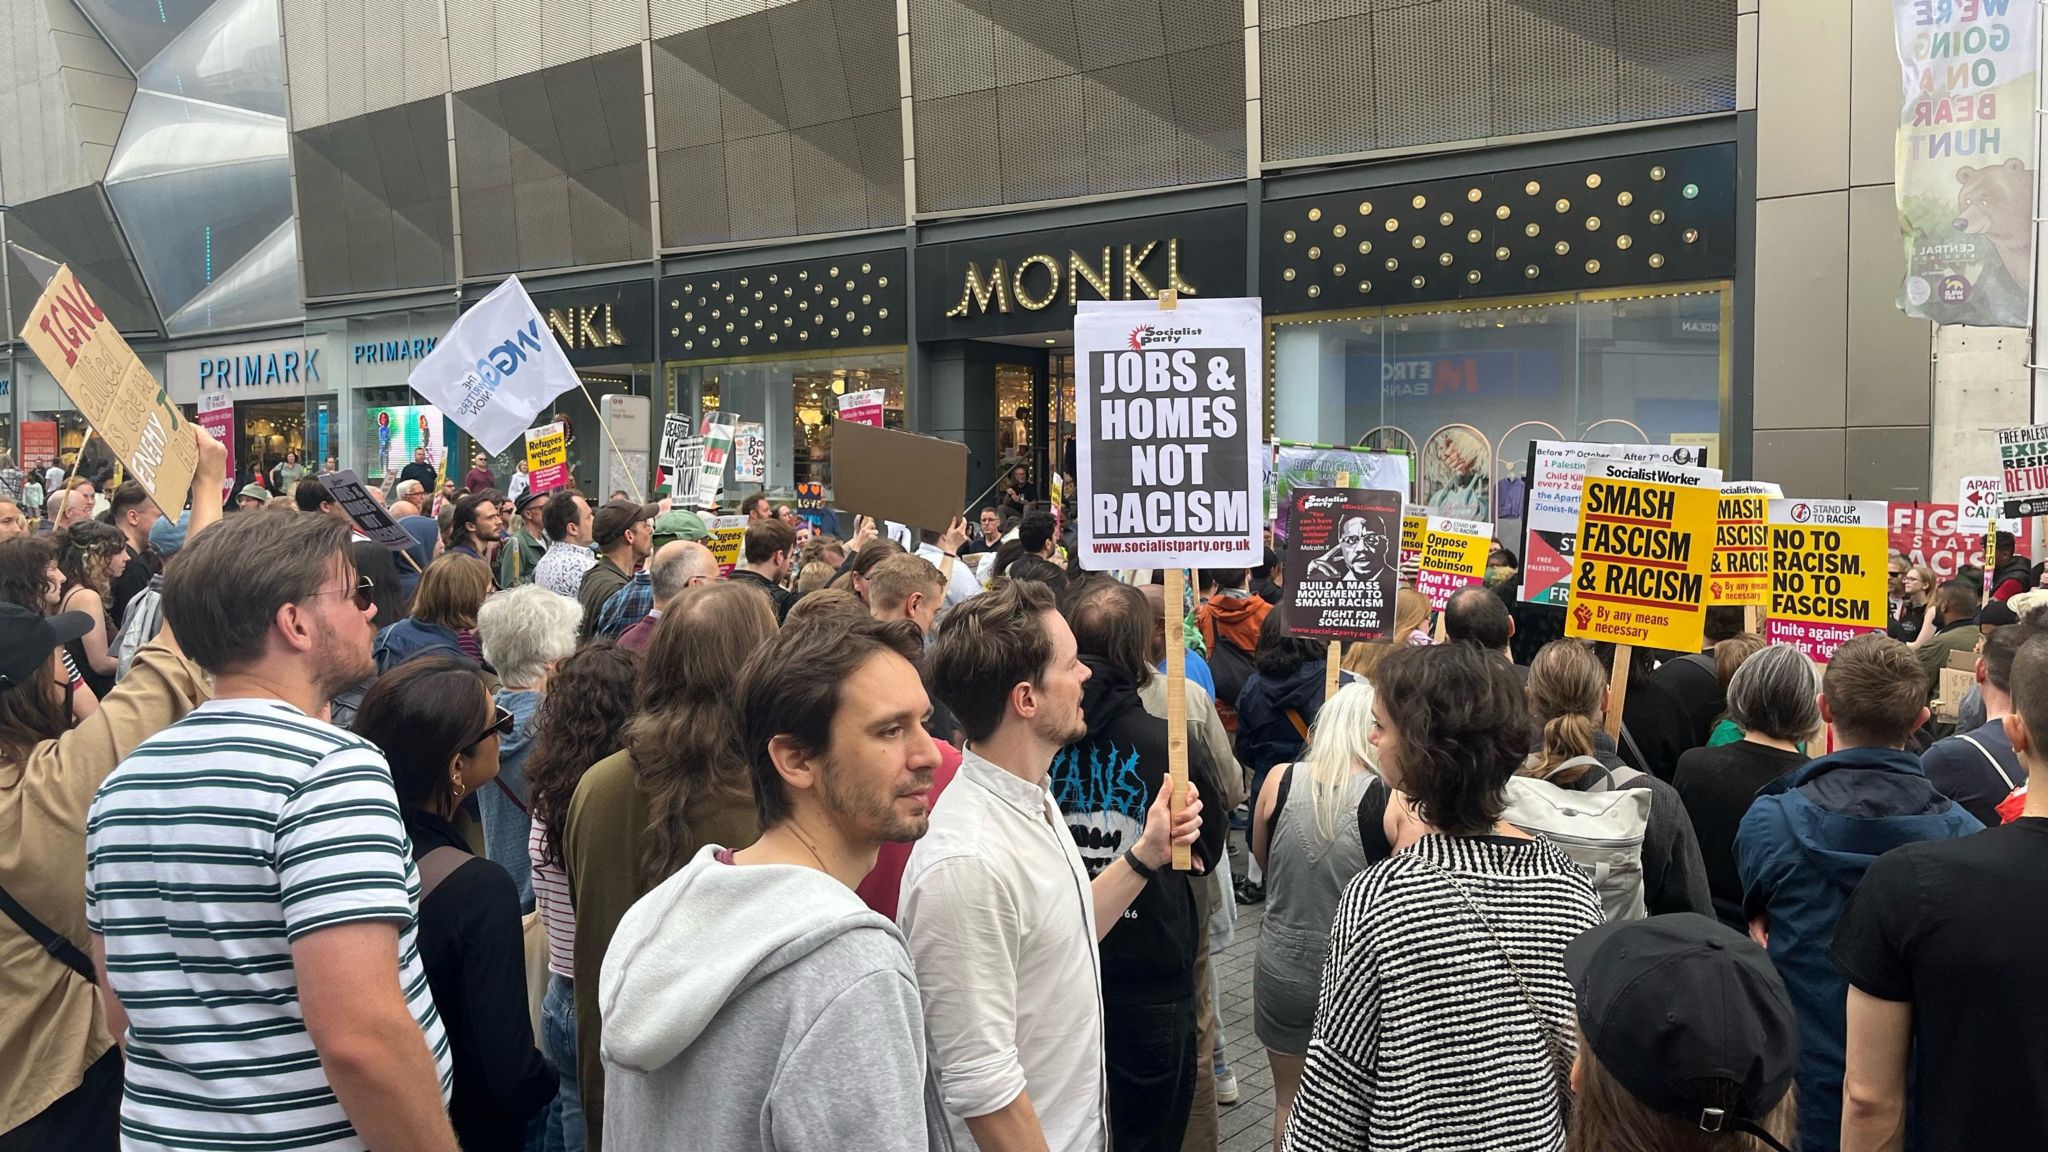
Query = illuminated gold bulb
x=1623 y=242
x=1657 y=173
x=1532 y=229
x=1530 y=271
x=1315 y=253
x=1419 y=201
x=1444 y=259
x=1472 y=277
x=1287 y=237
x=1656 y=259
x=1656 y=215
x=1592 y=265
x=1393 y=225
x=1592 y=179
x=1315 y=290
x=1416 y=241
x=1287 y=274
x=1473 y=236
x=1365 y=285
x=1338 y=231
x=1365 y=247
x=1473 y=194
x=1501 y=253
x=1336 y=269
x=1625 y=199
x=1592 y=223
x=1315 y=214
x=1502 y=212
x=1417 y=282
x=1532 y=188
x=1691 y=234
x=1365 y=207
x=1561 y=248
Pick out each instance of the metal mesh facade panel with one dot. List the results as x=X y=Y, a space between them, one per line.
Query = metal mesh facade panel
x=1445 y=71
x=350 y=57
x=373 y=202
x=782 y=121
x=492 y=40
x=552 y=168
x=1089 y=97
x=77 y=228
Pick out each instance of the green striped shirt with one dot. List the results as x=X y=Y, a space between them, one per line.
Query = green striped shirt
x=218 y=843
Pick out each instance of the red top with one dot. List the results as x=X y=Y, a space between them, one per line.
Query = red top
x=478 y=480
x=885 y=883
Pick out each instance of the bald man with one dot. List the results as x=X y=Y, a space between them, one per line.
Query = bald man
x=675 y=567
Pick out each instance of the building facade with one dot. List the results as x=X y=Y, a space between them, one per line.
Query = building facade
x=1473 y=222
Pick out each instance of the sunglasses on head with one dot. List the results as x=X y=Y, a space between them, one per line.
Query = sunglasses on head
x=502 y=723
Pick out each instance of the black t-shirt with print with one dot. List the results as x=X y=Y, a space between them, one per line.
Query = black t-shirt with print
x=1954 y=926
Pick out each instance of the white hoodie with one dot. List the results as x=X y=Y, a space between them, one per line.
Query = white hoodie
x=762 y=1007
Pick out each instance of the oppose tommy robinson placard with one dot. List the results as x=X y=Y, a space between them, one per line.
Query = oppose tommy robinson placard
x=1167 y=424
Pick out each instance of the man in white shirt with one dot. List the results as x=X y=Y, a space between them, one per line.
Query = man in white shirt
x=943 y=550
x=997 y=908
x=566 y=518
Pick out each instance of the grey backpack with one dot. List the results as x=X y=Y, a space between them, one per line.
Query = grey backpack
x=1601 y=828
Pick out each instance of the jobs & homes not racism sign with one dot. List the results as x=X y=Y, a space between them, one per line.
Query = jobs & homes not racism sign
x=1167 y=428
x=1643 y=554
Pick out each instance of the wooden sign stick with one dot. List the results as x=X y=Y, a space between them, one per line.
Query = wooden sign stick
x=1750 y=614
x=1334 y=652
x=1177 y=706
x=1617 y=688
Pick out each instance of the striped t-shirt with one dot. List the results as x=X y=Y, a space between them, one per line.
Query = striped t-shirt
x=218 y=843
x=551 y=900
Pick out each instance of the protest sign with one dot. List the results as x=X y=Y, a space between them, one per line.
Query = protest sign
x=1343 y=562
x=717 y=436
x=2023 y=452
x=1414 y=529
x=1643 y=555
x=750 y=452
x=1742 y=547
x=106 y=380
x=1313 y=466
x=217 y=416
x=675 y=429
x=1977 y=502
x=1935 y=535
x=890 y=474
x=346 y=489
x=1827 y=573
x=39 y=444
x=1453 y=557
x=810 y=504
x=864 y=407
x=1167 y=422
x=683 y=475
x=496 y=369
x=547 y=457
x=728 y=533
x=1556 y=468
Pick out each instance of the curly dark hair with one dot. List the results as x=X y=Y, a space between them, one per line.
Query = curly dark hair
x=581 y=721
x=24 y=571
x=1461 y=729
x=85 y=553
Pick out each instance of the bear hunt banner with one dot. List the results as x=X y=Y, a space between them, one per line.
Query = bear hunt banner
x=2023 y=457
x=1828 y=580
x=1167 y=422
x=1453 y=557
x=1742 y=545
x=106 y=380
x=1643 y=555
x=1552 y=511
x=1343 y=562
x=1965 y=158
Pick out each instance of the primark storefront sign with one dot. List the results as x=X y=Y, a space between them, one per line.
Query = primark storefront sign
x=392 y=351
x=265 y=370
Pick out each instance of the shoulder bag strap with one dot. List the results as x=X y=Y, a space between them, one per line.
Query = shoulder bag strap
x=52 y=941
x=1629 y=739
x=1561 y=1054
x=437 y=865
x=509 y=793
x=1990 y=759
x=1300 y=725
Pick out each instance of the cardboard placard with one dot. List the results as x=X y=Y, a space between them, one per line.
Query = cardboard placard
x=1643 y=554
x=547 y=457
x=1343 y=563
x=1742 y=546
x=370 y=518
x=108 y=383
x=1453 y=556
x=1828 y=580
x=895 y=475
x=1167 y=417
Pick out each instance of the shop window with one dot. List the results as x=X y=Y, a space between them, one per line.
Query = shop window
x=1466 y=389
x=796 y=402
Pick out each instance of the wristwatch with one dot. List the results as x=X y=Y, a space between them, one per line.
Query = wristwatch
x=1145 y=871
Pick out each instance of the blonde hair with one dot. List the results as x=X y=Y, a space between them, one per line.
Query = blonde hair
x=1566 y=686
x=1607 y=1117
x=1339 y=746
x=813 y=576
x=1411 y=613
x=452 y=591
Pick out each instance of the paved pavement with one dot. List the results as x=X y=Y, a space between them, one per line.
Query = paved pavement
x=1247 y=1125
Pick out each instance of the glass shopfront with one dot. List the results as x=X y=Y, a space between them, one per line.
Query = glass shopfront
x=796 y=401
x=1467 y=387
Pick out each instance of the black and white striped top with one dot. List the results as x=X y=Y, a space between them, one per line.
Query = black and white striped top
x=1423 y=1039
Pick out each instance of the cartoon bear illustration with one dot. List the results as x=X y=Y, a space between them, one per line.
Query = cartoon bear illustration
x=1997 y=202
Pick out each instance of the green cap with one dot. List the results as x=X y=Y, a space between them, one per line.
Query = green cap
x=678 y=525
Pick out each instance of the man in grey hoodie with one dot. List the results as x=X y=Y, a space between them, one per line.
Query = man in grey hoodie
x=752 y=1001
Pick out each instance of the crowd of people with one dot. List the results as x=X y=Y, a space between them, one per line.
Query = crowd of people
x=545 y=833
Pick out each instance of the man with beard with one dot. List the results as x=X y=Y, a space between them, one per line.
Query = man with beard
x=1358 y=556
x=751 y=1000
x=249 y=893
x=997 y=906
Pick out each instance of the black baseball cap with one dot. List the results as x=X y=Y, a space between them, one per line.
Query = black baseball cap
x=616 y=517
x=1675 y=1006
x=27 y=639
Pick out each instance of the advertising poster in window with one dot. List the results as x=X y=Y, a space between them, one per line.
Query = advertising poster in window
x=1553 y=508
x=1645 y=554
x=1965 y=159
x=1828 y=582
x=1742 y=546
x=1167 y=421
x=1343 y=563
x=1305 y=466
x=399 y=431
